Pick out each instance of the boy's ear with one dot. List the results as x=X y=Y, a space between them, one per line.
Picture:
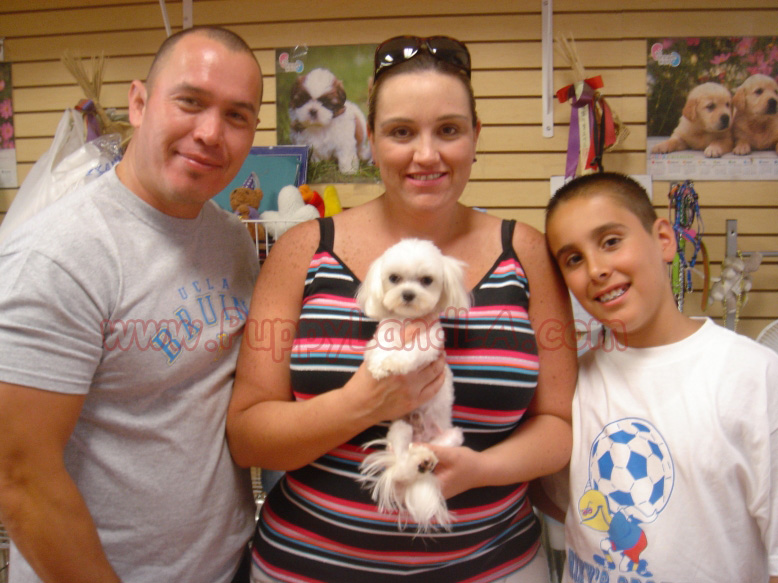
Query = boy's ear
x=665 y=236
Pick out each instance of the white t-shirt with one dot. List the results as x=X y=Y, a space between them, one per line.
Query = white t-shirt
x=674 y=462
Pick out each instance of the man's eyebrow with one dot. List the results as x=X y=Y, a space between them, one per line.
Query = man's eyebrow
x=188 y=88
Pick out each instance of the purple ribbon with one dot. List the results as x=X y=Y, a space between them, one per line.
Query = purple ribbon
x=574 y=139
x=92 y=122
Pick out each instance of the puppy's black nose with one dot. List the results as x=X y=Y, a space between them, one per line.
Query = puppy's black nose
x=772 y=106
x=408 y=297
x=724 y=121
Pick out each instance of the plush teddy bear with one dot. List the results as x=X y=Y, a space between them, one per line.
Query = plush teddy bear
x=244 y=202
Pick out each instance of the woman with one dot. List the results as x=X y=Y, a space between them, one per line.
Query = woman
x=303 y=401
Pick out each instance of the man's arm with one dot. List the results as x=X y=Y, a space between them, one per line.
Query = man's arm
x=40 y=505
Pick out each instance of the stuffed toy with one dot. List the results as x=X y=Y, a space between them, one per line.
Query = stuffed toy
x=244 y=202
x=332 y=204
x=735 y=282
x=313 y=198
x=291 y=210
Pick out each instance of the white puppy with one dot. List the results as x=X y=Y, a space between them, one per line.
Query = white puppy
x=321 y=117
x=412 y=279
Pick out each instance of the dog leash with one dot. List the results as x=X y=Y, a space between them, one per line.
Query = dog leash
x=684 y=208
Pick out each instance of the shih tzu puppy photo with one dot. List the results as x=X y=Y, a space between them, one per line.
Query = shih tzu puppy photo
x=321 y=117
x=411 y=280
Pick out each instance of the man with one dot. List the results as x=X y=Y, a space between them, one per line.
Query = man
x=119 y=307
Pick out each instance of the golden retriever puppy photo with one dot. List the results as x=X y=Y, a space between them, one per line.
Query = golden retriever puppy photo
x=756 y=115
x=705 y=123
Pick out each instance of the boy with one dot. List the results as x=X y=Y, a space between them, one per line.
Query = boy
x=675 y=419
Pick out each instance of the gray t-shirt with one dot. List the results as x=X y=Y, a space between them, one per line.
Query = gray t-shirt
x=100 y=294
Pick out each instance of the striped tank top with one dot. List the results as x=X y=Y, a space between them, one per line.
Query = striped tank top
x=319 y=525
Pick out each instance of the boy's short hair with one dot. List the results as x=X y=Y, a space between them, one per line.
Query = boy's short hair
x=625 y=190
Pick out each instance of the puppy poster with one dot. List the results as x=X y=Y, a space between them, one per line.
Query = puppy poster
x=712 y=108
x=8 y=177
x=321 y=99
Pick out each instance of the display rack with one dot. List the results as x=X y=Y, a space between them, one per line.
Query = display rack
x=5 y=544
x=263 y=243
x=732 y=252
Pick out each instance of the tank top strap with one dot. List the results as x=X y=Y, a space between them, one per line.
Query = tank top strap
x=507 y=235
x=326 y=233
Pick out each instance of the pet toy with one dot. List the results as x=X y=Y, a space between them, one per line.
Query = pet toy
x=291 y=210
x=411 y=280
x=245 y=201
x=332 y=204
x=313 y=198
x=735 y=282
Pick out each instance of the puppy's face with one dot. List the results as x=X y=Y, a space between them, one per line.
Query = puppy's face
x=316 y=98
x=709 y=106
x=758 y=95
x=412 y=279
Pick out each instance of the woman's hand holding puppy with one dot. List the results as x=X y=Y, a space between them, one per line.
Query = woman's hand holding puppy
x=393 y=396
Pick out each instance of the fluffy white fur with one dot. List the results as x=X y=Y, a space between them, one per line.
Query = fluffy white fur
x=321 y=117
x=410 y=280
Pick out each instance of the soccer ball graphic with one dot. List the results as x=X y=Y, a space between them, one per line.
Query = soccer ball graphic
x=631 y=465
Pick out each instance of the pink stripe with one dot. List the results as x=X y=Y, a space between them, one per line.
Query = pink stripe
x=499 y=310
x=509 y=265
x=487 y=414
x=488 y=356
x=323 y=259
x=398 y=557
x=280 y=573
x=330 y=300
x=334 y=346
x=349 y=452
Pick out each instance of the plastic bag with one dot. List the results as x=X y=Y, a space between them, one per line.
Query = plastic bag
x=66 y=165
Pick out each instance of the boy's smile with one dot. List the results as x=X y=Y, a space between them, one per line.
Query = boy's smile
x=615 y=268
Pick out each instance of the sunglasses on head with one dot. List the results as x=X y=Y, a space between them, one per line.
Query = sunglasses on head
x=403 y=48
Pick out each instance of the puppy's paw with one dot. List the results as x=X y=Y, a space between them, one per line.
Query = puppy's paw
x=348 y=163
x=714 y=151
x=742 y=149
x=400 y=361
x=422 y=459
x=374 y=361
x=665 y=147
x=378 y=371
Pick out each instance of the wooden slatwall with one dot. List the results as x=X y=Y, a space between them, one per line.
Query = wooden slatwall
x=515 y=162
